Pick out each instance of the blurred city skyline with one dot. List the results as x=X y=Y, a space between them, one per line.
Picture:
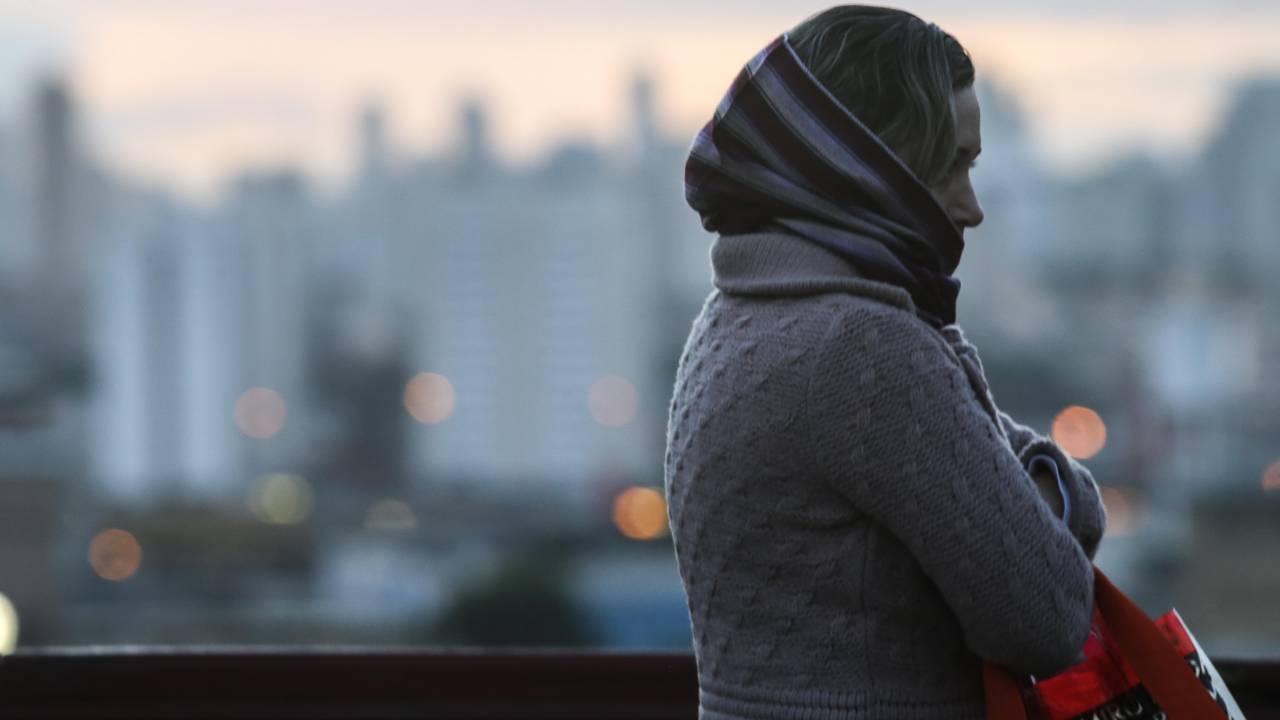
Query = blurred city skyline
x=188 y=94
x=420 y=351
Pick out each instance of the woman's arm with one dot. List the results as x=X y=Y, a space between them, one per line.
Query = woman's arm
x=1066 y=485
x=1074 y=483
x=902 y=435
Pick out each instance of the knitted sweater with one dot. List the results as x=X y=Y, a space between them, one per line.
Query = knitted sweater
x=853 y=523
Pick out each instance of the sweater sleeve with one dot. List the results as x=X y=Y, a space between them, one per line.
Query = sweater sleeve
x=1088 y=519
x=898 y=432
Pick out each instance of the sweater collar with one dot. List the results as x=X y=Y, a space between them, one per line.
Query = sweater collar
x=776 y=264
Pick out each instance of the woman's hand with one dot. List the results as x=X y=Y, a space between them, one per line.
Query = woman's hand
x=1047 y=484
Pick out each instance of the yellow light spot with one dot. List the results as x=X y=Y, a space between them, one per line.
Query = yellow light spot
x=260 y=412
x=429 y=397
x=390 y=516
x=1271 y=478
x=1122 y=514
x=8 y=626
x=115 y=555
x=1080 y=432
x=613 y=401
x=640 y=513
x=281 y=499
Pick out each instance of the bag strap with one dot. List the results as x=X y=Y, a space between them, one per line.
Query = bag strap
x=1004 y=698
x=1164 y=673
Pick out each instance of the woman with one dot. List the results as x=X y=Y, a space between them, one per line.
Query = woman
x=857 y=525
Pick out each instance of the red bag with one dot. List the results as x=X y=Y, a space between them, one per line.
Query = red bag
x=1133 y=669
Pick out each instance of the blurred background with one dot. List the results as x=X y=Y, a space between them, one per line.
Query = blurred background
x=357 y=322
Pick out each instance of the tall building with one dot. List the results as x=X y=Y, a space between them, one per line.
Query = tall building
x=163 y=347
x=475 y=151
x=1238 y=188
x=139 y=393
x=57 y=289
x=1240 y=165
x=374 y=152
x=540 y=296
x=16 y=243
x=270 y=224
x=200 y=355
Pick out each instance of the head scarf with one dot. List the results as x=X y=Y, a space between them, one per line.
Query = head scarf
x=782 y=154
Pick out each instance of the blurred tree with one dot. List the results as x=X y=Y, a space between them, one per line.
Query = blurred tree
x=357 y=372
x=525 y=602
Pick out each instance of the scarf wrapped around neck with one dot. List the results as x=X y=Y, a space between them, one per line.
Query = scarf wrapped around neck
x=781 y=153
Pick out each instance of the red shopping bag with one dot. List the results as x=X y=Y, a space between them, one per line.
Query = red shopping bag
x=1134 y=668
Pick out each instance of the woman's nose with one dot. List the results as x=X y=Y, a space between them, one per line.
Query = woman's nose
x=968 y=212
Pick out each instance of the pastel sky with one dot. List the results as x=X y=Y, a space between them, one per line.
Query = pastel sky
x=185 y=91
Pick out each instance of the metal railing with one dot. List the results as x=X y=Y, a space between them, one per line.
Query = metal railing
x=241 y=683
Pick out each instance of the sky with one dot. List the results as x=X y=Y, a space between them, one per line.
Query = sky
x=184 y=92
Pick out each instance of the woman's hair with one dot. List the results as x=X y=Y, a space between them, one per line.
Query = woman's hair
x=896 y=73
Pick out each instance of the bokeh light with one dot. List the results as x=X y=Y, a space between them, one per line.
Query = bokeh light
x=8 y=626
x=281 y=499
x=115 y=555
x=613 y=401
x=260 y=412
x=429 y=397
x=1080 y=432
x=1122 y=510
x=640 y=513
x=1271 y=478
x=390 y=516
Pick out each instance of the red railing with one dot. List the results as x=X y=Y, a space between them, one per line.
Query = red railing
x=238 y=684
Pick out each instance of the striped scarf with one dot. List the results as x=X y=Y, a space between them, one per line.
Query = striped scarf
x=781 y=153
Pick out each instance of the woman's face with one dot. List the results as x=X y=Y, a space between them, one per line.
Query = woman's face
x=955 y=190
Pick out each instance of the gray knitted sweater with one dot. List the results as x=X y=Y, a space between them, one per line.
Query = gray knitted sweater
x=852 y=520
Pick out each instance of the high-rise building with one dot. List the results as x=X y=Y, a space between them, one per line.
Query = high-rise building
x=541 y=299
x=270 y=221
x=476 y=151
x=164 y=346
x=374 y=152
x=16 y=242
x=1242 y=180
x=57 y=289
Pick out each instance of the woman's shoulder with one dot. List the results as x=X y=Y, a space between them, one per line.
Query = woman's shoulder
x=872 y=319
x=875 y=327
